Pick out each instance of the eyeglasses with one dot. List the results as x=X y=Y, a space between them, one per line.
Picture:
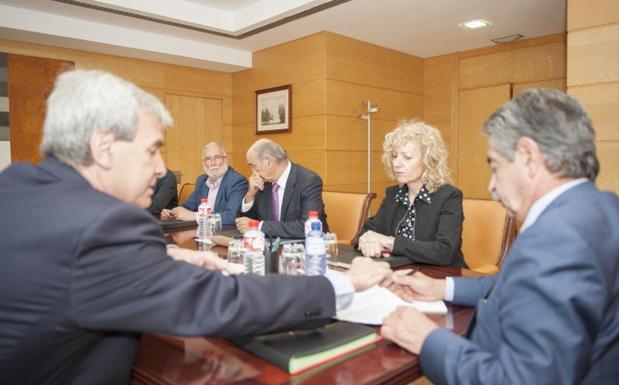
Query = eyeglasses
x=215 y=159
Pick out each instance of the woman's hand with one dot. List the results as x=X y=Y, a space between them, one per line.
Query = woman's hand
x=373 y=244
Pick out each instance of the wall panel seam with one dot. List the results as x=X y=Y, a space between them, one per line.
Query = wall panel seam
x=584 y=85
x=593 y=26
x=377 y=87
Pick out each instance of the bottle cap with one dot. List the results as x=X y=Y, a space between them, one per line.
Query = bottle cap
x=253 y=224
x=312 y=214
x=203 y=200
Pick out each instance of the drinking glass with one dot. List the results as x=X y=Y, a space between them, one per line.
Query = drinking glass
x=203 y=244
x=284 y=259
x=236 y=252
x=292 y=259
x=331 y=242
x=299 y=252
x=214 y=222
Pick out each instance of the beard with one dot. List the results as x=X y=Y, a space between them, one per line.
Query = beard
x=217 y=173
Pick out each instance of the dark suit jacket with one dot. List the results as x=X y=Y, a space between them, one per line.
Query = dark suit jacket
x=303 y=193
x=229 y=197
x=82 y=274
x=551 y=316
x=438 y=227
x=164 y=194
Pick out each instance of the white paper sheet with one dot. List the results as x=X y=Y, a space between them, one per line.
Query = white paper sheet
x=371 y=306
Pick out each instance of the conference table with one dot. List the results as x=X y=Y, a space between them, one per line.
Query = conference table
x=167 y=360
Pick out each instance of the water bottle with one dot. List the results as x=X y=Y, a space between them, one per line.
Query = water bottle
x=253 y=243
x=204 y=229
x=315 y=252
x=312 y=218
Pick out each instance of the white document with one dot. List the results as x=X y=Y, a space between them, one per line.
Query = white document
x=371 y=306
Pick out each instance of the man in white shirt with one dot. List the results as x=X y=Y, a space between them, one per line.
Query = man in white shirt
x=550 y=315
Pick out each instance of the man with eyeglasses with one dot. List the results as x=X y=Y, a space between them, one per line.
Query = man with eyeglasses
x=221 y=184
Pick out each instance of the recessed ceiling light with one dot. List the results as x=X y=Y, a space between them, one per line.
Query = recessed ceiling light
x=474 y=24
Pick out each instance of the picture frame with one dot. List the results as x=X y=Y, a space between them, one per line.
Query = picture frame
x=274 y=110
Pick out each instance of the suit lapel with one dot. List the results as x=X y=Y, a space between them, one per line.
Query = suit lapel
x=220 y=191
x=265 y=209
x=289 y=191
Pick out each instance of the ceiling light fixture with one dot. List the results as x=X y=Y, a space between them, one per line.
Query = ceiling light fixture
x=475 y=24
x=507 y=39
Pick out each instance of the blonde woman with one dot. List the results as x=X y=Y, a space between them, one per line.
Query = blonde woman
x=420 y=217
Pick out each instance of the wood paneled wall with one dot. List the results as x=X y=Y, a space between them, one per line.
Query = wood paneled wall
x=331 y=75
x=450 y=81
x=593 y=76
x=355 y=72
x=300 y=63
x=31 y=80
x=159 y=79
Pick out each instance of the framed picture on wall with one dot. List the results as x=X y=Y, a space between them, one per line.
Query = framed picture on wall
x=274 y=110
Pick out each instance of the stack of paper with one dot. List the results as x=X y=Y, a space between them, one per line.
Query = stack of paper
x=371 y=306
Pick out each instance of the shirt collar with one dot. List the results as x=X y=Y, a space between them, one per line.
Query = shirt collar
x=540 y=205
x=214 y=184
x=284 y=177
x=423 y=195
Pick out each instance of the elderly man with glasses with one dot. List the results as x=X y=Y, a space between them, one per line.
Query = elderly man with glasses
x=221 y=184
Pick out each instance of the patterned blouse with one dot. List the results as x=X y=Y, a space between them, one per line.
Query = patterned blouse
x=406 y=227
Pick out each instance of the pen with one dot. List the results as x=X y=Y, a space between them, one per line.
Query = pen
x=415 y=269
x=275 y=245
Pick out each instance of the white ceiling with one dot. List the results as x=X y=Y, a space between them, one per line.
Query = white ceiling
x=423 y=28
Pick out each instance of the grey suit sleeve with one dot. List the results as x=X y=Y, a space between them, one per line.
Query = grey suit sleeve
x=468 y=291
x=311 y=200
x=544 y=316
x=123 y=280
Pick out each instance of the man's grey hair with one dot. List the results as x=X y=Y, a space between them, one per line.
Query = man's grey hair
x=556 y=122
x=84 y=102
x=264 y=147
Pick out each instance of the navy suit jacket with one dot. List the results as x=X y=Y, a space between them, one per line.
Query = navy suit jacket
x=231 y=192
x=551 y=316
x=82 y=274
x=164 y=194
x=303 y=193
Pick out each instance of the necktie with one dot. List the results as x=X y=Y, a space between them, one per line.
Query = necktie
x=275 y=202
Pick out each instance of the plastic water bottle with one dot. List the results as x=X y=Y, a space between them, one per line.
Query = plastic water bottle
x=253 y=243
x=204 y=210
x=312 y=218
x=315 y=252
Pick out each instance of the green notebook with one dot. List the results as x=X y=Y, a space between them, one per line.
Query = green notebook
x=297 y=351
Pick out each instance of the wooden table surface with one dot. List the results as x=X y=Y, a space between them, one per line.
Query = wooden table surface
x=174 y=361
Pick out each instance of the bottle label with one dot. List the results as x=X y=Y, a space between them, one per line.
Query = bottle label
x=204 y=210
x=253 y=243
x=315 y=247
